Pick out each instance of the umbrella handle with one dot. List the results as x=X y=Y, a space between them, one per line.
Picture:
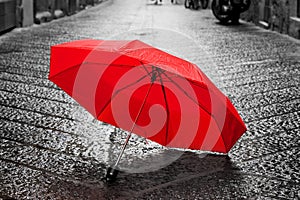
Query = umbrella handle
x=111 y=175
x=112 y=172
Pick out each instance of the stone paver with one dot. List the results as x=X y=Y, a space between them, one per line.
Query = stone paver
x=51 y=148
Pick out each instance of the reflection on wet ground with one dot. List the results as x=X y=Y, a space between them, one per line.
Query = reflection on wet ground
x=51 y=148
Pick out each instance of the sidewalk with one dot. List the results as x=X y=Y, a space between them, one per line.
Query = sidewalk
x=51 y=148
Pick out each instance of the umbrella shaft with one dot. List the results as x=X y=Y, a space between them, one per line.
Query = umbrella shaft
x=129 y=135
x=122 y=151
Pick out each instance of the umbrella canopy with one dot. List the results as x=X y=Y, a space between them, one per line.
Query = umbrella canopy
x=147 y=91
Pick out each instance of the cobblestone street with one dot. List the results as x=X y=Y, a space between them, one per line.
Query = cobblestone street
x=51 y=148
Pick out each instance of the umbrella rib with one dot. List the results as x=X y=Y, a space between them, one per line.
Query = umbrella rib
x=118 y=91
x=133 y=126
x=145 y=68
x=64 y=71
x=167 y=106
x=196 y=102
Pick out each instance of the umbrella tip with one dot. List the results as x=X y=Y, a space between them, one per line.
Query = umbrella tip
x=111 y=175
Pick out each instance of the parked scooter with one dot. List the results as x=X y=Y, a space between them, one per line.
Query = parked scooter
x=195 y=4
x=229 y=10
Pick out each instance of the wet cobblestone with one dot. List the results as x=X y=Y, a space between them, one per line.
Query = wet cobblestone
x=51 y=148
x=32 y=90
x=36 y=104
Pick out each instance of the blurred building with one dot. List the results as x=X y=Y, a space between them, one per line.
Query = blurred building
x=7 y=14
x=21 y=13
x=278 y=15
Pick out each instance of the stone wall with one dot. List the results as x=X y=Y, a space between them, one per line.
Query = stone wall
x=51 y=5
x=294 y=28
x=7 y=14
x=282 y=16
x=251 y=14
x=46 y=10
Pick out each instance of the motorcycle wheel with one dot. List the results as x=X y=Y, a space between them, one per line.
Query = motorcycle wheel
x=216 y=7
x=204 y=4
x=187 y=4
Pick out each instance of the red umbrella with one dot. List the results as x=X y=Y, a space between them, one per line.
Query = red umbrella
x=146 y=91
